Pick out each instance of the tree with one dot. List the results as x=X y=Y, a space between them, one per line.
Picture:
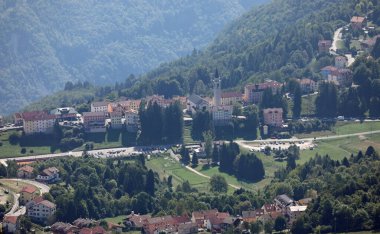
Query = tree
x=215 y=154
x=194 y=160
x=297 y=101
x=249 y=167
x=3 y=171
x=376 y=49
x=218 y=184
x=280 y=223
x=268 y=227
x=326 y=102
x=150 y=183
x=185 y=155
x=14 y=138
x=300 y=226
x=208 y=139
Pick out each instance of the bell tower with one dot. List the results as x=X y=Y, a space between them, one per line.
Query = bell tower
x=217 y=91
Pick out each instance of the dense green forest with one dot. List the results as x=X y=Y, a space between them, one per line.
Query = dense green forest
x=44 y=44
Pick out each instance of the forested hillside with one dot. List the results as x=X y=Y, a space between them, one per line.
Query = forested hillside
x=45 y=44
x=277 y=40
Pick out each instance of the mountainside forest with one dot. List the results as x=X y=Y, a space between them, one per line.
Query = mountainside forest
x=45 y=44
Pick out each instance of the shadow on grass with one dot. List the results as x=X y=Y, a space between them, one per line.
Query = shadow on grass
x=97 y=137
x=113 y=135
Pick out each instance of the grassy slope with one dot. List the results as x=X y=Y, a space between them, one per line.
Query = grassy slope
x=8 y=150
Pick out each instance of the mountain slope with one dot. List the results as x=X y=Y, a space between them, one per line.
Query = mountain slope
x=46 y=43
x=276 y=40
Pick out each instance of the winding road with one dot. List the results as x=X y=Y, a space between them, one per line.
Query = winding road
x=16 y=208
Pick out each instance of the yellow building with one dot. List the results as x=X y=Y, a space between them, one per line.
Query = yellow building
x=27 y=194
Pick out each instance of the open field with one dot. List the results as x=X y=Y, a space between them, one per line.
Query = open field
x=14 y=185
x=9 y=150
x=340 y=148
x=342 y=128
x=165 y=166
x=116 y=220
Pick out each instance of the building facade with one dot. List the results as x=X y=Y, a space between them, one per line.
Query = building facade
x=273 y=117
x=40 y=210
x=99 y=107
x=116 y=119
x=49 y=175
x=94 y=121
x=231 y=98
x=27 y=194
x=38 y=122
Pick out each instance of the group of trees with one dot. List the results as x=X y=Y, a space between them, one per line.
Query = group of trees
x=160 y=124
x=244 y=166
x=357 y=100
x=347 y=188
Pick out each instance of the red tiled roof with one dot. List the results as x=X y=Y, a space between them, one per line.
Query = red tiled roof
x=330 y=68
x=48 y=204
x=38 y=199
x=29 y=189
x=37 y=115
x=357 y=19
x=10 y=219
x=231 y=94
x=26 y=168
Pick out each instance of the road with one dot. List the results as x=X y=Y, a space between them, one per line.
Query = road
x=15 y=203
x=246 y=144
x=337 y=37
x=334 y=46
x=16 y=208
x=42 y=187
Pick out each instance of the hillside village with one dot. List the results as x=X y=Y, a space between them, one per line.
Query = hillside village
x=260 y=109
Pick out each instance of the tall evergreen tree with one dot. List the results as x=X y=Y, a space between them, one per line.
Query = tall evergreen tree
x=297 y=101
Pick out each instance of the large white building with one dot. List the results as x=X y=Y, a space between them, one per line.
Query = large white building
x=38 y=122
x=132 y=120
x=40 y=210
x=221 y=113
x=99 y=107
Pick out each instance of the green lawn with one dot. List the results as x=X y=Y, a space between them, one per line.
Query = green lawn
x=308 y=106
x=187 y=139
x=343 y=147
x=9 y=150
x=342 y=128
x=165 y=166
x=116 y=220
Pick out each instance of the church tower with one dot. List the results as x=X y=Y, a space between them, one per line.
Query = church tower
x=217 y=91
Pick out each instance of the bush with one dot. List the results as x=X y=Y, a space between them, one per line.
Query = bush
x=14 y=138
x=23 y=150
x=1 y=143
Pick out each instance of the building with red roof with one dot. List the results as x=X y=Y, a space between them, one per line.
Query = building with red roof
x=38 y=122
x=28 y=193
x=11 y=223
x=25 y=172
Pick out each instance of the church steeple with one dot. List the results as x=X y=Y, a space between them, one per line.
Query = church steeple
x=217 y=89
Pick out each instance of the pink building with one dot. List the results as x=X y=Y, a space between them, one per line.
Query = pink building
x=253 y=93
x=273 y=117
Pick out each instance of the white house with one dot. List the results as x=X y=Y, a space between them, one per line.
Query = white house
x=49 y=175
x=40 y=210
x=196 y=103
